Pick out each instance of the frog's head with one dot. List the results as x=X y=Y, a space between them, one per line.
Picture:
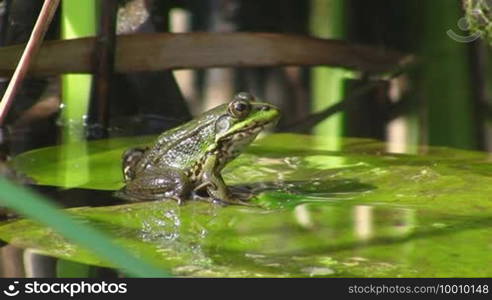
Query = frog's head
x=240 y=122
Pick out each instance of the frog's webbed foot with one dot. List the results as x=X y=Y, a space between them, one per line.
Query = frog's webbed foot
x=227 y=201
x=241 y=193
x=236 y=201
x=209 y=192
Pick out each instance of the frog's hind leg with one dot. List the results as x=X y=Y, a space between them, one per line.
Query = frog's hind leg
x=153 y=185
x=130 y=158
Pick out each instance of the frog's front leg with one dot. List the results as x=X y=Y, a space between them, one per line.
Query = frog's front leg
x=213 y=183
x=157 y=184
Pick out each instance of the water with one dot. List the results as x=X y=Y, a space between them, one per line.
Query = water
x=320 y=213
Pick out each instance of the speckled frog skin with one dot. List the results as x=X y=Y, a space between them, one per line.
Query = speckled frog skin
x=185 y=162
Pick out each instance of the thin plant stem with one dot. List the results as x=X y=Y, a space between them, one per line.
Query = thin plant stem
x=42 y=23
x=314 y=119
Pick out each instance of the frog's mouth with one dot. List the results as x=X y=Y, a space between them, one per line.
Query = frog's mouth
x=250 y=131
x=254 y=128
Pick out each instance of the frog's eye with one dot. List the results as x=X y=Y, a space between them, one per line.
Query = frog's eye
x=239 y=108
x=222 y=124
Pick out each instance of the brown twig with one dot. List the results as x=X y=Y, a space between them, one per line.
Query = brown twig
x=44 y=19
x=196 y=50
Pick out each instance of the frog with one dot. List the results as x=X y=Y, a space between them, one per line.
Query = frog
x=186 y=162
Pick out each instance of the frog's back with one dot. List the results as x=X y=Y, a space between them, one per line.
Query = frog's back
x=181 y=146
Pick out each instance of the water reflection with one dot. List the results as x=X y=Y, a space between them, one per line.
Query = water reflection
x=363 y=222
x=309 y=239
x=317 y=240
x=199 y=239
x=305 y=244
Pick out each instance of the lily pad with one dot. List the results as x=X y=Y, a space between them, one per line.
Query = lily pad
x=322 y=211
x=94 y=165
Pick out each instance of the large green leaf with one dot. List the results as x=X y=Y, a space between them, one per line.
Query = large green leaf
x=95 y=165
x=356 y=212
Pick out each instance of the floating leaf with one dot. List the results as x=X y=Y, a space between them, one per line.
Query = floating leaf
x=359 y=211
x=95 y=165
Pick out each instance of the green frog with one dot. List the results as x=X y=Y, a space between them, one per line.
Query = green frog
x=185 y=162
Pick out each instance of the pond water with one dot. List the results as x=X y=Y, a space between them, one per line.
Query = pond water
x=323 y=209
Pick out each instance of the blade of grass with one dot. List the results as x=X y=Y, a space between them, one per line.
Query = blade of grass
x=42 y=210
